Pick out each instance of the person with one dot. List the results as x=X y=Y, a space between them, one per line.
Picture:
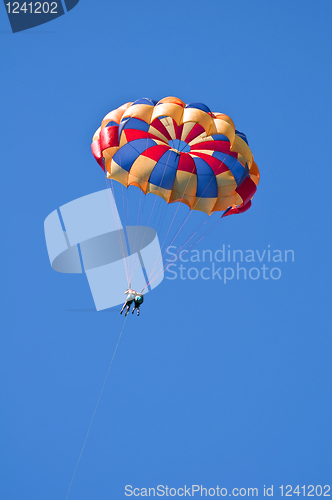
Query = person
x=130 y=299
x=138 y=301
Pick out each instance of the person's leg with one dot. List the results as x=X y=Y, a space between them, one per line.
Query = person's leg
x=124 y=305
x=132 y=312
x=137 y=310
x=128 y=307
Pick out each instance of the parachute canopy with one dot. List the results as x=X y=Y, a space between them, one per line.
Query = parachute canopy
x=180 y=152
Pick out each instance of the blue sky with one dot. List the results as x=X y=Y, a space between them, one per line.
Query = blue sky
x=214 y=384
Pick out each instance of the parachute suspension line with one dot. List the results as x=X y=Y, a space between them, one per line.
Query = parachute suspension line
x=161 y=181
x=159 y=224
x=95 y=410
x=136 y=233
x=133 y=249
x=190 y=212
x=124 y=194
x=177 y=208
x=127 y=222
x=117 y=222
x=162 y=204
x=161 y=259
x=128 y=219
x=162 y=215
x=207 y=232
x=137 y=258
x=159 y=213
x=152 y=211
x=138 y=223
x=126 y=216
x=142 y=208
x=166 y=266
x=197 y=229
x=181 y=227
x=123 y=206
x=156 y=212
x=157 y=262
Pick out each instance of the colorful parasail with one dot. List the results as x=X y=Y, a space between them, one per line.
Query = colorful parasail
x=180 y=152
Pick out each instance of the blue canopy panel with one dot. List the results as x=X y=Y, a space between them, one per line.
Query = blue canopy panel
x=207 y=186
x=237 y=169
x=126 y=155
x=133 y=123
x=242 y=135
x=198 y=105
x=145 y=100
x=220 y=137
x=164 y=172
x=112 y=124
